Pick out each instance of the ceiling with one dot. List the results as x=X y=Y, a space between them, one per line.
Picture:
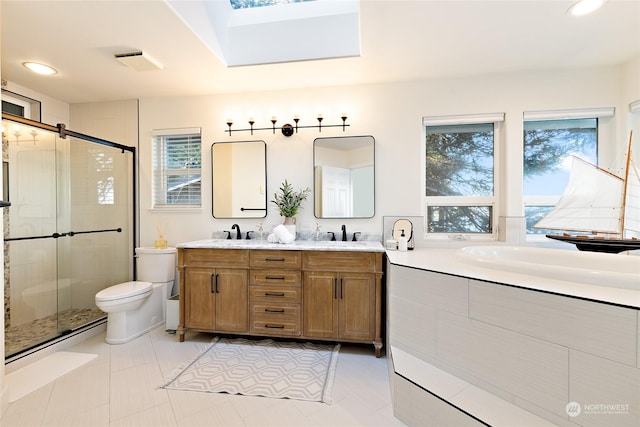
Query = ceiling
x=400 y=41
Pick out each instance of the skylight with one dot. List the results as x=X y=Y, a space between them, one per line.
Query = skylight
x=245 y=4
x=286 y=31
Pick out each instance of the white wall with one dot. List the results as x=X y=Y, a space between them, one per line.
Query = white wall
x=392 y=113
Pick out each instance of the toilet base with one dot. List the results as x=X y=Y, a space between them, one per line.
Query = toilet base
x=115 y=335
x=123 y=327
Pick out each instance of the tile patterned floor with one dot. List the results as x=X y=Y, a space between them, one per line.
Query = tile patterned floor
x=121 y=388
x=21 y=337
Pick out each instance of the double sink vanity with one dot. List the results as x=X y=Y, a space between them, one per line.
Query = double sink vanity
x=315 y=290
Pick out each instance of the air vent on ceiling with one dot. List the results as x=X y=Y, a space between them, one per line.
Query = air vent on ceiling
x=138 y=60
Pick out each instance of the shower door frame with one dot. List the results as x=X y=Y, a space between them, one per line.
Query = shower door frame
x=62 y=132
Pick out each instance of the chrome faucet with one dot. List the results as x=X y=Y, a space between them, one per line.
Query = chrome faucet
x=238 y=233
x=344 y=233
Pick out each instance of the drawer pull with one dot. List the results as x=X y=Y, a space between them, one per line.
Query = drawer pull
x=274 y=294
x=274 y=326
x=274 y=310
x=274 y=259
x=274 y=277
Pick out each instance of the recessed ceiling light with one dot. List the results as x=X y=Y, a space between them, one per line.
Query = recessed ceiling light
x=583 y=7
x=40 y=68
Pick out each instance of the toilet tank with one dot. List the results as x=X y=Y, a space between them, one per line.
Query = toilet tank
x=156 y=265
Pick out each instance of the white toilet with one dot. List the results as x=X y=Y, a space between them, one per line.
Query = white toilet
x=134 y=308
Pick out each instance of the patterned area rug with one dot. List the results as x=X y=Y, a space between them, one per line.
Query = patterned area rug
x=302 y=371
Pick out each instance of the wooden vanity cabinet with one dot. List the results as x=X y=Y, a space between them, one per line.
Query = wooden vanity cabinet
x=339 y=305
x=275 y=292
x=215 y=288
x=216 y=299
x=342 y=296
x=306 y=294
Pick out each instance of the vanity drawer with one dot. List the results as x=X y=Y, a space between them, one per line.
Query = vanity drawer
x=291 y=329
x=275 y=319
x=227 y=258
x=274 y=293
x=275 y=277
x=275 y=259
x=339 y=261
x=274 y=312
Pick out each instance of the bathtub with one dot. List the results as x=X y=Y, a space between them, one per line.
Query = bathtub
x=612 y=270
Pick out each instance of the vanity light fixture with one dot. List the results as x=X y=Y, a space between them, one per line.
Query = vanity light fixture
x=40 y=68
x=584 y=7
x=287 y=129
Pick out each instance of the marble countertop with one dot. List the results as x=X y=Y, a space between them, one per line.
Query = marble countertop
x=298 y=245
x=448 y=261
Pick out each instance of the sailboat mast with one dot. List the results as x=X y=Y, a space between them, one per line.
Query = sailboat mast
x=625 y=186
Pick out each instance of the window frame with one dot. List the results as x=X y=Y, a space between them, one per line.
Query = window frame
x=158 y=138
x=604 y=132
x=497 y=120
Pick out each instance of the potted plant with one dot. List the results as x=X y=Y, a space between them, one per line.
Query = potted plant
x=288 y=202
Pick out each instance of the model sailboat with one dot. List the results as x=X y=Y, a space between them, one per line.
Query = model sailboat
x=603 y=206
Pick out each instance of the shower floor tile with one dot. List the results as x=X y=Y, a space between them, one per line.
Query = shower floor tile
x=26 y=335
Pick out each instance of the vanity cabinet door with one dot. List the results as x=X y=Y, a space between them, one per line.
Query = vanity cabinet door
x=339 y=305
x=216 y=299
x=199 y=298
x=232 y=299
x=357 y=306
x=320 y=304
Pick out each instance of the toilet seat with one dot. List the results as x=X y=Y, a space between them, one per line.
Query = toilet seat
x=124 y=291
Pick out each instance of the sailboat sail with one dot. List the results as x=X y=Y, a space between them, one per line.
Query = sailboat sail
x=591 y=202
x=632 y=203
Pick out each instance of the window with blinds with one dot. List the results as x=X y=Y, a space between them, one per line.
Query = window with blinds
x=177 y=176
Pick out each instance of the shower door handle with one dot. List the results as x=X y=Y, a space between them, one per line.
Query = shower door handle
x=58 y=235
x=4 y=204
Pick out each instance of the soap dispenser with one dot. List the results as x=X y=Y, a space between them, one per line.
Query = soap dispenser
x=402 y=242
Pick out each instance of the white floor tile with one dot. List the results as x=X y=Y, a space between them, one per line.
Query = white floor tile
x=121 y=387
x=48 y=369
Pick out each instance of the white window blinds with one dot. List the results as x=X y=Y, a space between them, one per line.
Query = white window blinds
x=177 y=155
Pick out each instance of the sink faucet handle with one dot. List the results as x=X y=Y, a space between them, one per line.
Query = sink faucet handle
x=354 y=236
x=228 y=234
x=248 y=237
x=333 y=235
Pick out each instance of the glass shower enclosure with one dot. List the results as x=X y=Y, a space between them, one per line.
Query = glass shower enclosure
x=68 y=229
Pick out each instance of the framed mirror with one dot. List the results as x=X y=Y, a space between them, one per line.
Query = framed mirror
x=239 y=179
x=344 y=177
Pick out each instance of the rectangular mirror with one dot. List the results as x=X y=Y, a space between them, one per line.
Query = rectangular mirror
x=239 y=179
x=344 y=177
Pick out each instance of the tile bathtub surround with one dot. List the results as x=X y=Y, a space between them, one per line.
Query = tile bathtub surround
x=535 y=350
x=121 y=388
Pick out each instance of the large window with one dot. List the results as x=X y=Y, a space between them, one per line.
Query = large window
x=460 y=176
x=176 y=168
x=549 y=146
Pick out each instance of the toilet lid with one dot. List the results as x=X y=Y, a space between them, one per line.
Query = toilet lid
x=123 y=290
